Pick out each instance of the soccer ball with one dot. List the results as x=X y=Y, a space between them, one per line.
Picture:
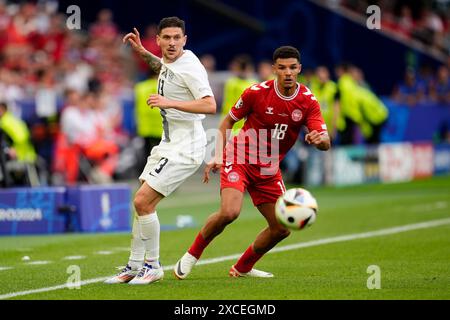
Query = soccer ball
x=296 y=209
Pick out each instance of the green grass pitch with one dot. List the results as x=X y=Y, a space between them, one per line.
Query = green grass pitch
x=414 y=263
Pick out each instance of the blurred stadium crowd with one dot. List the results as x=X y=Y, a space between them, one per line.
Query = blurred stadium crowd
x=61 y=92
x=425 y=21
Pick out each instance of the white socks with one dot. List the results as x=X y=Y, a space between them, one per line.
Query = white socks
x=149 y=234
x=137 y=254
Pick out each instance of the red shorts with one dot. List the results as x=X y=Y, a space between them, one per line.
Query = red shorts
x=262 y=188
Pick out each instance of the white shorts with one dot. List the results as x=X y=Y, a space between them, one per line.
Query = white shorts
x=165 y=172
x=176 y=157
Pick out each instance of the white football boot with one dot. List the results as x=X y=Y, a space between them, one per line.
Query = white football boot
x=184 y=266
x=252 y=273
x=125 y=275
x=148 y=274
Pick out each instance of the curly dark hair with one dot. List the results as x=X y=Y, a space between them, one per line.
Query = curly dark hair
x=286 y=52
x=171 y=22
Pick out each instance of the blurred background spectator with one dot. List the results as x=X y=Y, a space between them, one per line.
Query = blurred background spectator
x=242 y=70
x=440 y=87
x=411 y=91
x=325 y=90
x=264 y=70
x=425 y=21
x=19 y=162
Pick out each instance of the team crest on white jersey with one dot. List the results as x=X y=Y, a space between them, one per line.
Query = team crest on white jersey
x=269 y=110
x=296 y=115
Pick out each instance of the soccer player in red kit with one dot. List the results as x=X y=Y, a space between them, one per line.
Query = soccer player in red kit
x=275 y=112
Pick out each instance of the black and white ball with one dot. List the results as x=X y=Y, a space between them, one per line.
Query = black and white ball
x=296 y=209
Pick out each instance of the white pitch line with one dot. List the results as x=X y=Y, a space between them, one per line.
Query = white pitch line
x=104 y=252
x=62 y=286
x=6 y=268
x=349 y=237
x=74 y=257
x=38 y=263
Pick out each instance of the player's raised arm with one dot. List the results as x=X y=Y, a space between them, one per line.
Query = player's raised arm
x=134 y=40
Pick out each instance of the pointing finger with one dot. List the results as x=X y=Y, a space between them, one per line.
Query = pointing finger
x=127 y=36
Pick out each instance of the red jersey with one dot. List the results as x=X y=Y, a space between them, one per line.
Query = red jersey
x=273 y=123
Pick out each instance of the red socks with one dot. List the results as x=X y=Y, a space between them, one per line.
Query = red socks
x=198 y=246
x=247 y=260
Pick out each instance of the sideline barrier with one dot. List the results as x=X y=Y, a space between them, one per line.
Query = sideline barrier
x=100 y=208
x=52 y=210
x=387 y=162
x=32 y=211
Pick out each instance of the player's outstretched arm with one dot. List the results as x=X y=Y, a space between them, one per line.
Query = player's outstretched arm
x=134 y=40
x=320 y=141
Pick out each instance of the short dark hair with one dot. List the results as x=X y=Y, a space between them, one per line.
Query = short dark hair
x=171 y=22
x=3 y=105
x=286 y=52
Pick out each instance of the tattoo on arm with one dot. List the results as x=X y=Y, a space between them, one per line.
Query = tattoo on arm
x=153 y=61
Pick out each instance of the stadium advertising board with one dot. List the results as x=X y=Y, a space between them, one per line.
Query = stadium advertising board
x=396 y=162
x=372 y=164
x=423 y=160
x=348 y=165
x=31 y=211
x=315 y=173
x=441 y=159
x=343 y=166
x=392 y=162
x=101 y=208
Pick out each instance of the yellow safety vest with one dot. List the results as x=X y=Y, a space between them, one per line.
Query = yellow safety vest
x=311 y=82
x=348 y=101
x=234 y=87
x=18 y=131
x=148 y=120
x=373 y=110
x=326 y=96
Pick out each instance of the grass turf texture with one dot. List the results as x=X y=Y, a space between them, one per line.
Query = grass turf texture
x=414 y=264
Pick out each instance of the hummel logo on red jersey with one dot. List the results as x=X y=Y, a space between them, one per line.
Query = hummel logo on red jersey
x=269 y=110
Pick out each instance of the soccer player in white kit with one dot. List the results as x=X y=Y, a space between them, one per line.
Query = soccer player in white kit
x=184 y=96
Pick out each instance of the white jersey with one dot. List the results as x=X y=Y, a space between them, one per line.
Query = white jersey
x=185 y=79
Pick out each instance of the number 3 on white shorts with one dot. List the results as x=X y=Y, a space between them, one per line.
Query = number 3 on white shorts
x=159 y=166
